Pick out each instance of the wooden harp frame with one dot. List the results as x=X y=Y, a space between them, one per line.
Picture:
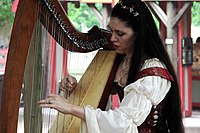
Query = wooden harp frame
x=23 y=28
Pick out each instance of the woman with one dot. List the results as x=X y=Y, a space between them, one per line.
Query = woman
x=146 y=82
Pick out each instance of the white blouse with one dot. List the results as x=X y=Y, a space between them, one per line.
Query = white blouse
x=139 y=97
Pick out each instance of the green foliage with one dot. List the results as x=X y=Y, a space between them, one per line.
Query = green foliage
x=6 y=14
x=82 y=17
x=196 y=13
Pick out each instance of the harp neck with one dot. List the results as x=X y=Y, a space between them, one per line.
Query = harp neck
x=70 y=38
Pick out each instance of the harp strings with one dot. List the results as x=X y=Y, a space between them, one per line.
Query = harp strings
x=38 y=82
x=53 y=76
x=58 y=125
x=33 y=85
x=62 y=73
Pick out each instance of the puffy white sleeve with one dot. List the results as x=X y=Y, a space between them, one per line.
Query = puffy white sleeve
x=139 y=97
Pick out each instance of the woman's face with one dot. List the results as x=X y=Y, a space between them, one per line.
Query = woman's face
x=123 y=37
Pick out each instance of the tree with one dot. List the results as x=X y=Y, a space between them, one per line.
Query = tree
x=6 y=15
x=196 y=14
x=82 y=17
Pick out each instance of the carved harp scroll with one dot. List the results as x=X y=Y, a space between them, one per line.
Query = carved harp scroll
x=23 y=28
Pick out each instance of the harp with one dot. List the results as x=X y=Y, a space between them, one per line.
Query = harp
x=70 y=39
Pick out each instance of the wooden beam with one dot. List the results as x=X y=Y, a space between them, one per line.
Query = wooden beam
x=158 y=12
x=180 y=13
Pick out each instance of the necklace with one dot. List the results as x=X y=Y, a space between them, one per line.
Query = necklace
x=122 y=79
x=121 y=76
x=125 y=64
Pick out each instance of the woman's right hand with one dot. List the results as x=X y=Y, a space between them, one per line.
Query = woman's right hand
x=68 y=83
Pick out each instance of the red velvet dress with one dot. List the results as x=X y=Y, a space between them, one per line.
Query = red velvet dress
x=156 y=120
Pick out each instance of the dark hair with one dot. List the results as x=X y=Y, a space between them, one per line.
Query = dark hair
x=198 y=39
x=148 y=44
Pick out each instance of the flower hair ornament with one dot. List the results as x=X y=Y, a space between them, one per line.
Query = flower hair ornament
x=130 y=9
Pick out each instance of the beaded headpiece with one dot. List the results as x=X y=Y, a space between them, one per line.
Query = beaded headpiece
x=130 y=9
